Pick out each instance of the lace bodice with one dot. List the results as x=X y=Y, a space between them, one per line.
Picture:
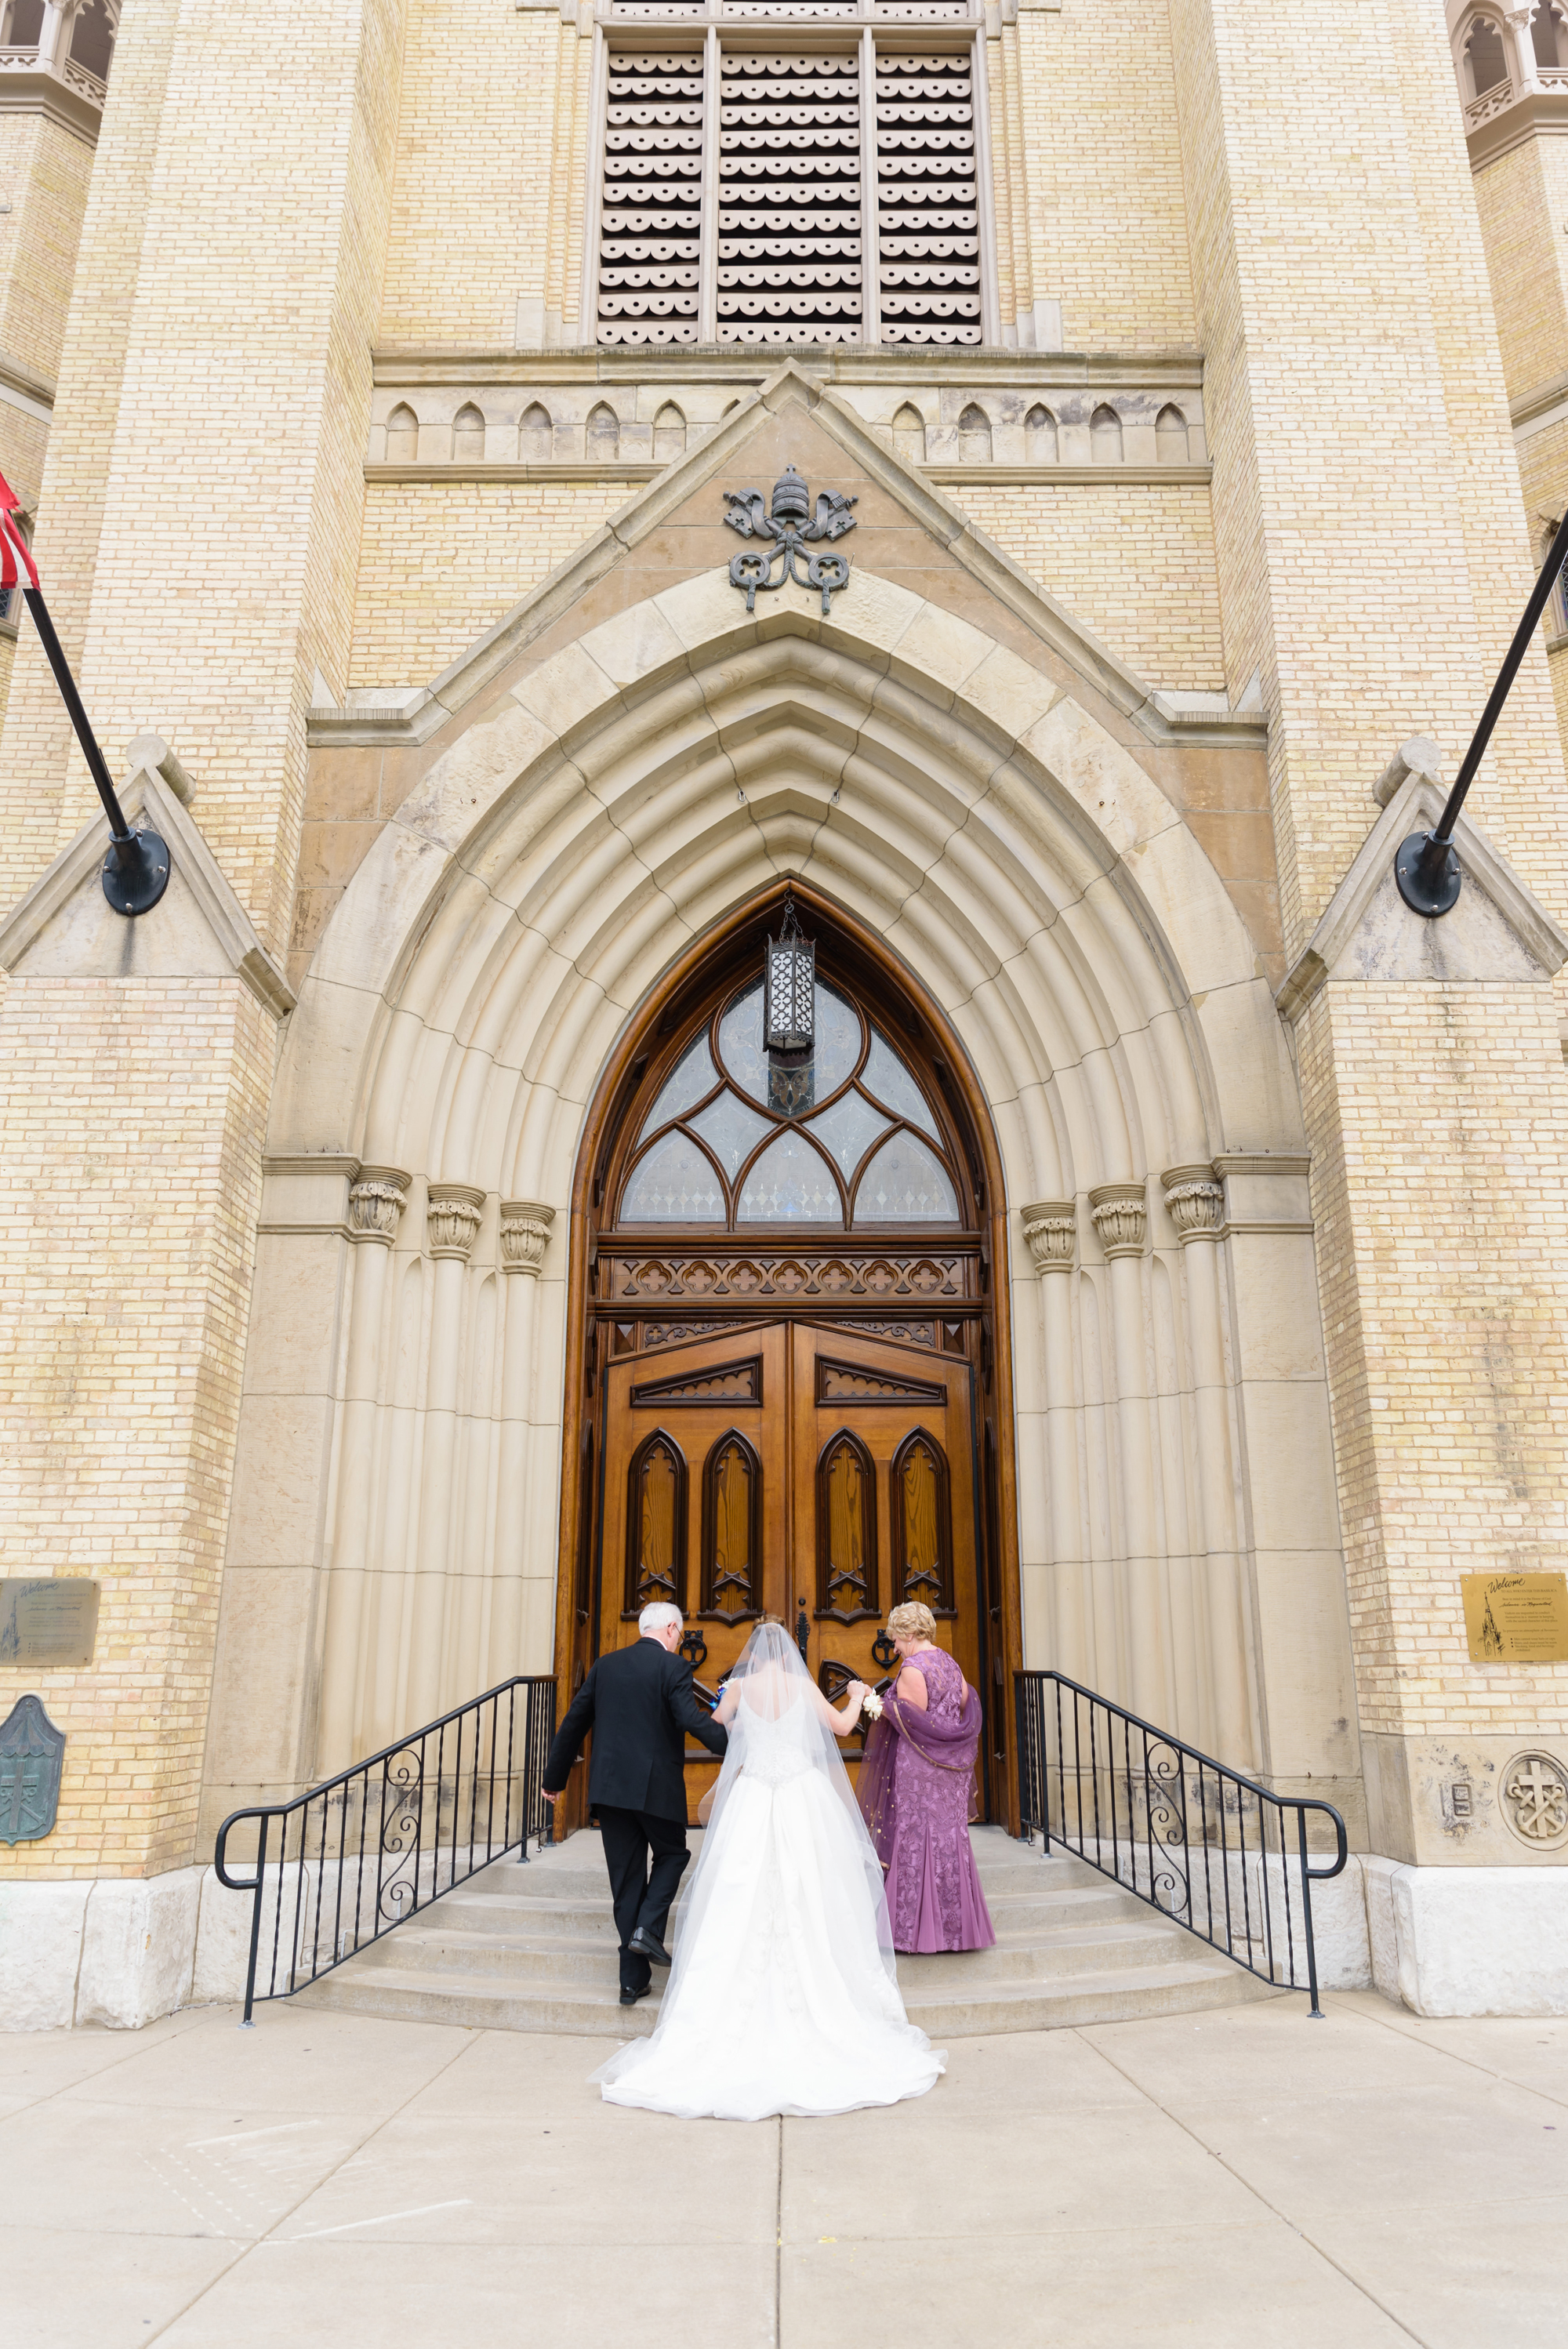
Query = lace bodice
x=773 y=1751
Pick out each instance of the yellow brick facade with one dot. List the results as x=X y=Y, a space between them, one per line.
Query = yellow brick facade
x=439 y=565
x=1277 y=211
x=1136 y=564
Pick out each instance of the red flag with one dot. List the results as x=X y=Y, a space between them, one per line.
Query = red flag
x=15 y=556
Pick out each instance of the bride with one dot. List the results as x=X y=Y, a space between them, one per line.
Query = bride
x=783 y=1996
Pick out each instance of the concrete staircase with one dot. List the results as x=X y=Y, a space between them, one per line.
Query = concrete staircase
x=532 y=1948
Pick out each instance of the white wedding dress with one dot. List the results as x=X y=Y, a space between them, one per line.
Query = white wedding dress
x=783 y=1997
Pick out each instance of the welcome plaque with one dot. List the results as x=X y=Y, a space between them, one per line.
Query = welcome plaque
x=49 y=1620
x=1516 y=1618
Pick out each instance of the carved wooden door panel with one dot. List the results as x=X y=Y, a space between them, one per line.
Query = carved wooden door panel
x=696 y=1505
x=782 y=1469
x=883 y=1475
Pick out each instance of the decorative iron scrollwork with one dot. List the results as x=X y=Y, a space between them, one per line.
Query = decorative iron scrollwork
x=694 y=1647
x=402 y=1814
x=883 y=1651
x=1165 y=1803
x=792 y=526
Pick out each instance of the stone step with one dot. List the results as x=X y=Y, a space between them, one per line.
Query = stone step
x=562 y=1875
x=492 y=2002
x=564 y=1961
x=1123 y=1996
x=531 y=1947
x=480 y=1912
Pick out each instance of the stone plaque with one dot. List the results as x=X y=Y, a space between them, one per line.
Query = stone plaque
x=32 y=1752
x=50 y=1620
x=1516 y=1618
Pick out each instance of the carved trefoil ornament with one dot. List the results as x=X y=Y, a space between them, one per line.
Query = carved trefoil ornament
x=525 y=1235
x=791 y=525
x=32 y=1757
x=1121 y=1214
x=1195 y=1203
x=1050 y=1229
x=452 y=1214
x=1535 y=1800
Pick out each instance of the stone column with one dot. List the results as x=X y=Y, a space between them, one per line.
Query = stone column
x=1519 y=21
x=1050 y=1229
x=452 y=1216
x=524 y=1237
x=376 y=1203
x=1120 y=1216
x=1195 y=1203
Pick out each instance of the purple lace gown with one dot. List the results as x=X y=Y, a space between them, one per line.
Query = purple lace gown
x=934 y=1894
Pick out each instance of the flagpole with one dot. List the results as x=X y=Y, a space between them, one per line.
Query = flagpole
x=1427 y=865
x=135 y=869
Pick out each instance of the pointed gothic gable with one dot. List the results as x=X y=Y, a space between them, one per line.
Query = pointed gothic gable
x=65 y=926
x=907 y=533
x=1498 y=933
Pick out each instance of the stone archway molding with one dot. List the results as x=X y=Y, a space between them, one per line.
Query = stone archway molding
x=596 y=817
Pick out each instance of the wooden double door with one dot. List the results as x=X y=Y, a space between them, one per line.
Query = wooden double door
x=795 y=1471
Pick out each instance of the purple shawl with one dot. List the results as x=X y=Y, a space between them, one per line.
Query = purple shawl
x=944 y=1745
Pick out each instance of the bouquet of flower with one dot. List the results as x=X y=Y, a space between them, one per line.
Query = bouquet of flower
x=872 y=1705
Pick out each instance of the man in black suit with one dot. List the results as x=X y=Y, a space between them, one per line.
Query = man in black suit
x=638 y=1703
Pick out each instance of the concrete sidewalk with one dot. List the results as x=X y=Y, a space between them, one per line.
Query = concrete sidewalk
x=1243 y=2177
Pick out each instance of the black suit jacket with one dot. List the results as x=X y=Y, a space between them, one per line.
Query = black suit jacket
x=638 y=1703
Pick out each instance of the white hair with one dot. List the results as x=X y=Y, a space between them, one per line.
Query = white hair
x=660 y=1617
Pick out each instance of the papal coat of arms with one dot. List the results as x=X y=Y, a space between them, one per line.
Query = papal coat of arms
x=792 y=527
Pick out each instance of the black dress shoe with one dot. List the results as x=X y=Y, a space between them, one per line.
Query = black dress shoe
x=630 y=1997
x=645 y=1946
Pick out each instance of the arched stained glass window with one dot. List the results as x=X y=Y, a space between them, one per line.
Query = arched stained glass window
x=851 y=1138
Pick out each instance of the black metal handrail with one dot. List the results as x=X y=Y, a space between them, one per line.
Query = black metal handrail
x=357 y=1855
x=1171 y=1825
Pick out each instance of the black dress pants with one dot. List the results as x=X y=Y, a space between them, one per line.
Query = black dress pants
x=642 y=1896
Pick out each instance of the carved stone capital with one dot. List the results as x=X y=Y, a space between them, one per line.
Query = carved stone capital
x=1120 y=1213
x=1050 y=1227
x=452 y=1214
x=1195 y=1202
x=376 y=1198
x=525 y=1235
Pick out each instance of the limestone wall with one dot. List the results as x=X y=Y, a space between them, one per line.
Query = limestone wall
x=439 y=564
x=488 y=201
x=1372 y=559
x=1522 y=203
x=1136 y=563
x=201 y=534
x=44 y=175
x=1101 y=208
x=44 y=172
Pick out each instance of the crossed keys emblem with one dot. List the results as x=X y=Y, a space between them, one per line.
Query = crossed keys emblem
x=790 y=525
x=1537 y=1797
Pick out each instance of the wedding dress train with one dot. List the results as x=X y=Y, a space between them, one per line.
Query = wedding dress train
x=783 y=1997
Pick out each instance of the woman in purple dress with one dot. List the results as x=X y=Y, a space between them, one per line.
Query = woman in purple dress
x=916 y=1791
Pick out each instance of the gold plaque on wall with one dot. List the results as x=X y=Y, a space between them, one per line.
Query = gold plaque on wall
x=48 y=1619
x=1516 y=1618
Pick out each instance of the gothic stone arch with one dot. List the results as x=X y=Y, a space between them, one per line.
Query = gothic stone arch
x=610 y=776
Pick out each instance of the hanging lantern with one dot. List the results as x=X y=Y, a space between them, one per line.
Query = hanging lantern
x=789 y=1017
x=789 y=1001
